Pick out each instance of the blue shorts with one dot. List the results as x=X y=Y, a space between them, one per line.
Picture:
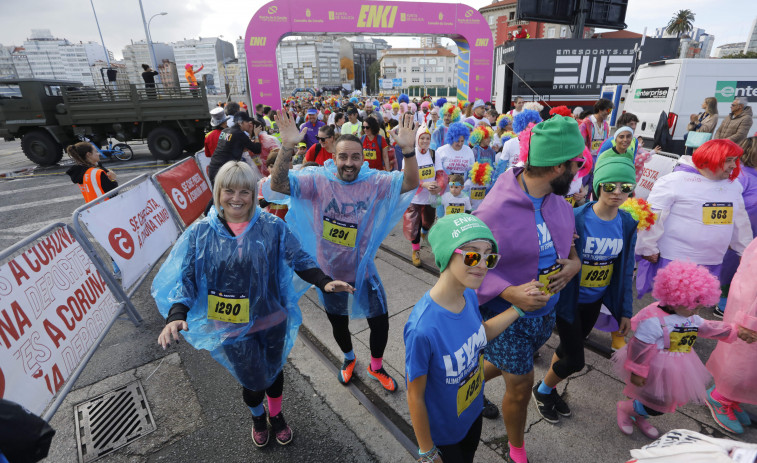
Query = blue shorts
x=513 y=350
x=338 y=303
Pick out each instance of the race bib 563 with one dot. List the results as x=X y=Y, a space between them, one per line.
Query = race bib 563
x=717 y=213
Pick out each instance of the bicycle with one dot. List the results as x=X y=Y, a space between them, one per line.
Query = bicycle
x=120 y=151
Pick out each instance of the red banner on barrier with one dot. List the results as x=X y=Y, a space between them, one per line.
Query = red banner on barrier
x=53 y=306
x=187 y=188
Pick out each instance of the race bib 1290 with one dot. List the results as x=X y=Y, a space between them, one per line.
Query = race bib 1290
x=342 y=233
x=226 y=307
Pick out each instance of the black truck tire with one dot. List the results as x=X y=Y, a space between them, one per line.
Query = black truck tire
x=165 y=143
x=41 y=148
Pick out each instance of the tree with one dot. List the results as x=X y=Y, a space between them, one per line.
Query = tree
x=346 y=63
x=373 y=72
x=742 y=55
x=681 y=23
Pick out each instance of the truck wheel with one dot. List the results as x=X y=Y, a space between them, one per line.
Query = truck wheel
x=41 y=148
x=164 y=144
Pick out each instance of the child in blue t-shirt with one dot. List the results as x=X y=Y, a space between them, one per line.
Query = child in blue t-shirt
x=444 y=341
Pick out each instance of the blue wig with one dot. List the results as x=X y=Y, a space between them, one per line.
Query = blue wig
x=440 y=102
x=353 y=100
x=521 y=121
x=455 y=131
x=376 y=103
x=404 y=98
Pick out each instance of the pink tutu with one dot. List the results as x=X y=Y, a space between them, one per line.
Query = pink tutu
x=674 y=380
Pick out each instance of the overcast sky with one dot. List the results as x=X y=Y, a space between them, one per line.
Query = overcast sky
x=120 y=20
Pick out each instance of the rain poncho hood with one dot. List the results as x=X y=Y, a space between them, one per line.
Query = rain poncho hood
x=356 y=215
x=257 y=265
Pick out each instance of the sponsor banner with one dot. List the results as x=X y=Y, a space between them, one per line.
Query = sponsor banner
x=135 y=228
x=187 y=188
x=576 y=67
x=656 y=93
x=727 y=90
x=53 y=306
x=280 y=18
x=656 y=166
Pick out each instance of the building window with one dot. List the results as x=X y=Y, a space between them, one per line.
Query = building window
x=551 y=33
x=415 y=69
x=563 y=32
x=440 y=80
x=416 y=80
x=414 y=60
x=512 y=15
x=491 y=20
x=428 y=80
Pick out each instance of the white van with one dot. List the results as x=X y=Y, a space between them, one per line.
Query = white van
x=679 y=86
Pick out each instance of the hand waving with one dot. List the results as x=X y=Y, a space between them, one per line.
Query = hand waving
x=406 y=134
x=290 y=136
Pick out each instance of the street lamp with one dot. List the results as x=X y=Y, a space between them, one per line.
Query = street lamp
x=149 y=38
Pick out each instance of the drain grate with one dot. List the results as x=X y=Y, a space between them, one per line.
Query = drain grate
x=112 y=420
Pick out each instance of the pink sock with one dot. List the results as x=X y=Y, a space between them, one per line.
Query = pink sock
x=720 y=398
x=416 y=246
x=274 y=405
x=376 y=363
x=518 y=454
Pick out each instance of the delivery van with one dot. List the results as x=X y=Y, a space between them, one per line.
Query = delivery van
x=679 y=86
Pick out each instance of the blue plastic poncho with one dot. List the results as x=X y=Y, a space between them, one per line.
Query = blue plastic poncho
x=342 y=225
x=209 y=270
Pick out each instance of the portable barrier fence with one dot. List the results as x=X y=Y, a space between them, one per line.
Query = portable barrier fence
x=187 y=189
x=57 y=303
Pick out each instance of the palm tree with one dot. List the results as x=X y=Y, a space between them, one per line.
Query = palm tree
x=681 y=23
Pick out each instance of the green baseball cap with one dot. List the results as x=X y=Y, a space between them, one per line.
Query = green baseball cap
x=454 y=230
x=613 y=169
x=555 y=141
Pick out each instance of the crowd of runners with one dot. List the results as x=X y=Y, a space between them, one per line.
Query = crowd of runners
x=534 y=226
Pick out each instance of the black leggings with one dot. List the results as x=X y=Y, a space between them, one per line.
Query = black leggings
x=255 y=398
x=465 y=450
x=379 y=326
x=571 y=349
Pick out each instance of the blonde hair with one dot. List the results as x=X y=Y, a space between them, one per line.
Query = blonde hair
x=236 y=174
x=712 y=104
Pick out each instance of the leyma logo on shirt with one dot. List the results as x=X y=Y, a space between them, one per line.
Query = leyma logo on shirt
x=465 y=358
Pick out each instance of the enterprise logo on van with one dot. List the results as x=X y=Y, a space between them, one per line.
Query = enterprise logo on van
x=651 y=93
x=727 y=90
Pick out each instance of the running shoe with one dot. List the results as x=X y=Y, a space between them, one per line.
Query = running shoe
x=280 y=429
x=741 y=415
x=260 y=430
x=560 y=406
x=383 y=377
x=646 y=428
x=345 y=373
x=417 y=258
x=490 y=410
x=717 y=312
x=723 y=414
x=545 y=403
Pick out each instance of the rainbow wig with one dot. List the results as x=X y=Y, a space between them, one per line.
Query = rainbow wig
x=640 y=211
x=404 y=98
x=561 y=110
x=507 y=136
x=712 y=154
x=524 y=118
x=452 y=110
x=481 y=173
x=480 y=133
x=440 y=102
x=686 y=284
x=504 y=120
x=455 y=131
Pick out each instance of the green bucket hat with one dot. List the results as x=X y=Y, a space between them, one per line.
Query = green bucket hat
x=613 y=169
x=452 y=231
x=555 y=141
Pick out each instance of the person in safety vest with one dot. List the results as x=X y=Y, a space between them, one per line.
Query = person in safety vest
x=93 y=179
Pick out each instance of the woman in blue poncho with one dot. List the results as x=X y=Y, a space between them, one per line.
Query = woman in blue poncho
x=228 y=285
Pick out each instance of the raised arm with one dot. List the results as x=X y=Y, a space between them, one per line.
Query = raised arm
x=290 y=136
x=406 y=142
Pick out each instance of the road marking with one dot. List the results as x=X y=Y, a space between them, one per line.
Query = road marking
x=29 y=228
x=37 y=188
x=45 y=202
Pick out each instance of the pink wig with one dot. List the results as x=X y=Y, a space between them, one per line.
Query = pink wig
x=712 y=154
x=187 y=66
x=686 y=284
x=413 y=107
x=388 y=106
x=403 y=107
x=424 y=104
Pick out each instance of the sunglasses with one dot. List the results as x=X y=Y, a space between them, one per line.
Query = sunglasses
x=366 y=127
x=322 y=138
x=624 y=187
x=580 y=161
x=472 y=258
